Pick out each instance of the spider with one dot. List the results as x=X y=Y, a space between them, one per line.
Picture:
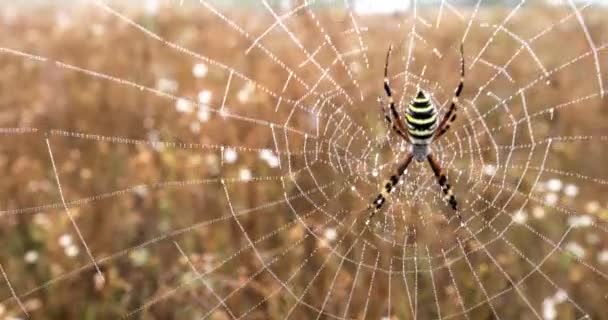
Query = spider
x=420 y=129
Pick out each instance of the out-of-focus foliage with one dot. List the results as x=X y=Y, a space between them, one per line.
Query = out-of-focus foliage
x=40 y=248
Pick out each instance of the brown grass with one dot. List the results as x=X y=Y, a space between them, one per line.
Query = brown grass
x=184 y=201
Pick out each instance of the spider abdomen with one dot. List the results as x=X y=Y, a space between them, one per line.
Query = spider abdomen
x=421 y=119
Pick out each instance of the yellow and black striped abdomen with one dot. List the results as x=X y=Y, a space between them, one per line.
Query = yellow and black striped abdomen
x=421 y=119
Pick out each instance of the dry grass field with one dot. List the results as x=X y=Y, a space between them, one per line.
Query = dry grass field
x=146 y=162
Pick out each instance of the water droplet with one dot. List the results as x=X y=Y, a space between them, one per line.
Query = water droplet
x=437 y=53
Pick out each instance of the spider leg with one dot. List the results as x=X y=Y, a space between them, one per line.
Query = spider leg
x=388 y=187
x=445 y=186
x=389 y=120
x=450 y=115
x=397 y=124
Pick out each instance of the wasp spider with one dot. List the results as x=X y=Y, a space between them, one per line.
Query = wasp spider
x=421 y=128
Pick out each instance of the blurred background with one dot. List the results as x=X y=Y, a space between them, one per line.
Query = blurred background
x=188 y=160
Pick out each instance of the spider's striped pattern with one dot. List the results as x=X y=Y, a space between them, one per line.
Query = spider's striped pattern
x=421 y=128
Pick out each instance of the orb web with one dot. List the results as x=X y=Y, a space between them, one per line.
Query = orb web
x=206 y=161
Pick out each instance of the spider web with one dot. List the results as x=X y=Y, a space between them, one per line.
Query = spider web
x=202 y=161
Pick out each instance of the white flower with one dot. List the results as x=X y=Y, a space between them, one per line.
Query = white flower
x=265 y=153
x=204 y=97
x=576 y=249
x=245 y=93
x=65 y=240
x=31 y=257
x=374 y=173
x=560 y=296
x=230 y=155
x=520 y=217
x=183 y=106
x=203 y=113
x=580 y=221
x=551 y=198
x=151 y=7
x=139 y=257
x=592 y=207
x=554 y=185
x=167 y=85
x=489 y=169
x=330 y=234
x=549 y=312
x=245 y=174
x=602 y=257
x=538 y=212
x=200 y=70
x=273 y=162
x=269 y=157
x=41 y=219
x=141 y=190
x=571 y=190
x=71 y=251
